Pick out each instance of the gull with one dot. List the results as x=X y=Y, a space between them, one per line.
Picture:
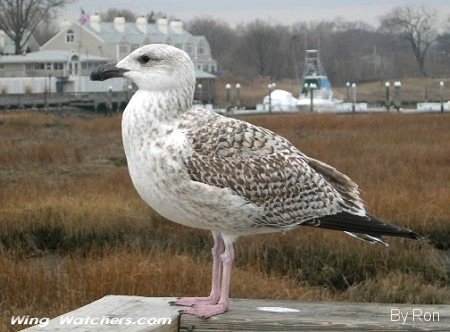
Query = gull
x=203 y=170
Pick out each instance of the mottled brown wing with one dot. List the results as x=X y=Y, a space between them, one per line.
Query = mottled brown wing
x=264 y=168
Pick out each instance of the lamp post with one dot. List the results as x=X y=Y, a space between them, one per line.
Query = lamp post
x=238 y=95
x=354 y=97
x=347 y=85
x=388 y=98
x=200 y=92
x=110 y=98
x=50 y=84
x=228 y=96
x=441 y=94
x=310 y=88
x=271 y=87
x=46 y=92
x=398 y=103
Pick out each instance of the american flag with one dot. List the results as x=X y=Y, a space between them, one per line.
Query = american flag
x=84 y=18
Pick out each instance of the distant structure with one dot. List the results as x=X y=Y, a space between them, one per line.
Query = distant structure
x=51 y=71
x=115 y=40
x=316 y=87
x=64 y=62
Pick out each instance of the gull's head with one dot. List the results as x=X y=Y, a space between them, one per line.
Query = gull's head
x=153 y=67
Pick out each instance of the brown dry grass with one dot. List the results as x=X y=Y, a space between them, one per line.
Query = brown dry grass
x=73 y=229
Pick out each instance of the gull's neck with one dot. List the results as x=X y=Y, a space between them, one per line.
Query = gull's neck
x=165 y=105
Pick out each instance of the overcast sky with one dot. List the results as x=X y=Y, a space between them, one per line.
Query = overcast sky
x=277 y=11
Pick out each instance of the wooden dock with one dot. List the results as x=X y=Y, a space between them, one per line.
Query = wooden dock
x=135 y=313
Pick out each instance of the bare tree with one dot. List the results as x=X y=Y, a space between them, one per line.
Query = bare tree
x=153 y=16
x=219 y=34
x=19 y=18
x=221 y=38
x=262 y=49
x=46 y=29
x=415 y=24
x=111 y=13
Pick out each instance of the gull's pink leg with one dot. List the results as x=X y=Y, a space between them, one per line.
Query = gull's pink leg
x=204 y=310
x=214 y=296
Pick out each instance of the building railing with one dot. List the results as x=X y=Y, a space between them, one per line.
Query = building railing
x=111 y=100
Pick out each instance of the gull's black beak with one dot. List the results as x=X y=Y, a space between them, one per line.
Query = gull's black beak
x=107 y=71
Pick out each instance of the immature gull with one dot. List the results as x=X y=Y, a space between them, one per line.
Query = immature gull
x=203 y=170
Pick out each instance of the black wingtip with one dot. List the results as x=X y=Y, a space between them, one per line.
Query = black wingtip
x=415 y=236
x=368 y=224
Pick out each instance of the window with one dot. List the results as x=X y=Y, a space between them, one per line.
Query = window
x=205 y=68
x=201 y=49
x=70 y=36
x=2 y=66
x=29 y=66
x=123 y=48
x=48 y=66
x=58 y=66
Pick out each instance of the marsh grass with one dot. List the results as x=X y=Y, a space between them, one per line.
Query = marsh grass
x=73 y=229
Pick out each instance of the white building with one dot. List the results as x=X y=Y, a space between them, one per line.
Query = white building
x=115 y=40
x=52 y=71
x=64 y=62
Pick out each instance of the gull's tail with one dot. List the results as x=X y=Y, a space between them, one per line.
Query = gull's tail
x=367 y=227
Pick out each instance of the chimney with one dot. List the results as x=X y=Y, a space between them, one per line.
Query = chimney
x=162 y=24
x=119 y=23
x=177 y=27
x=95 y=21
x=141 y=24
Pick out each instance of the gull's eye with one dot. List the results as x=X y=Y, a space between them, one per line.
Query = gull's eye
x=144 y=59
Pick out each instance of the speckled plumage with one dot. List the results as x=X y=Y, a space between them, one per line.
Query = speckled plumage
x=203 y=170
x=266 y=170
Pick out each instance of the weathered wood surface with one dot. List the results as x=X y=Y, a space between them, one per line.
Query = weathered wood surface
x=258 y=315
x=116 y=307
x=246 y=315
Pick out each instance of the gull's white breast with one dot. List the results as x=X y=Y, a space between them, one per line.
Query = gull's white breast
x=155 y=152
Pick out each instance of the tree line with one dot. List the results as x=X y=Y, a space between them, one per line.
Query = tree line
x=406 y=42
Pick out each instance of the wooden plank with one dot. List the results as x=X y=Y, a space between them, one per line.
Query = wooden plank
x=255 y=315
x=132 y=310
x=274 y=315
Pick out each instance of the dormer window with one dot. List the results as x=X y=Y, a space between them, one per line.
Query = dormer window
x=123 y=48
x=201 y=49
x=70 y=36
